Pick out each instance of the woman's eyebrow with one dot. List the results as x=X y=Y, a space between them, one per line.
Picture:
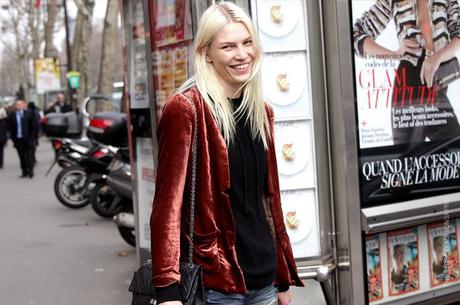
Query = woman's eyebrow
x=233 y=42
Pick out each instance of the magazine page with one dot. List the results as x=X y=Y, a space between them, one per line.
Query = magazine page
x=403 y=261
x=374 y=269
x=407 y=86
x=443 y=253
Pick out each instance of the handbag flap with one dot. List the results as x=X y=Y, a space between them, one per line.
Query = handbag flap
x=142 y=280
x=191 y=284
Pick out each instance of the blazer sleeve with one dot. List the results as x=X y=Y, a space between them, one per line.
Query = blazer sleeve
x=174 y=135
x=453 y=18
x=371 y=24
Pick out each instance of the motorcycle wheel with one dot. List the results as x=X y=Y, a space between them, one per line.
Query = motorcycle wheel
x=67 y=187
x=102 y=200
x=128 y=235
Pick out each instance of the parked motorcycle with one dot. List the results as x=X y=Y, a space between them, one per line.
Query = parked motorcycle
x=68 y=151
x=73 y=184
x=119 y=179
x=116 y=195
x=105 y=200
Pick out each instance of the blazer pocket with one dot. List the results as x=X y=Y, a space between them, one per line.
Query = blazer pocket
x=206 y=252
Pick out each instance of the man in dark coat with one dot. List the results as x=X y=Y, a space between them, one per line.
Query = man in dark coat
x=22 y=128
x=3 y=133
x=60 y=106
x=33 y=109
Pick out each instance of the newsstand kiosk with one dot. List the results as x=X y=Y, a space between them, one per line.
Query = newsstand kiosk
x=395 y=187
x=373 y=222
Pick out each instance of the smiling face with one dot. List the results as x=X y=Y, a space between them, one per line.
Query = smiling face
x=232 y=55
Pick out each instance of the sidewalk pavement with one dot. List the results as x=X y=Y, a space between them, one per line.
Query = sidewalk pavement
x=53 y=255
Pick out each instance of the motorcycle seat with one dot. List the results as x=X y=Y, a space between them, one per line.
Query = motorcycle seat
x=86 y=143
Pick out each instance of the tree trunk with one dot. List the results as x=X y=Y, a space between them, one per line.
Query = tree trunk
x=85 y=9
x=109 y=50
x=49 y=29
x=77 y=41
x=34 y=28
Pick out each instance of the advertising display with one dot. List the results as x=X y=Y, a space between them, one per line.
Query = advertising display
x=374 y=268
x=138 y=84
x=146 y=188
x=170 y=71
x=168 y=22
x=406 y=83
x=443 y=253
x=172 y=45
x=47 y=75
x=408 y=262
x=286 y=87
x=403 y=261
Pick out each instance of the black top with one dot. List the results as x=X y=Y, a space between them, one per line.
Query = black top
x=248 y=170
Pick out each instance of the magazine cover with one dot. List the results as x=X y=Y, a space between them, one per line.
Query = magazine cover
x=374 y=270
x=443 y=253
x=403 y=263
x=407 y=89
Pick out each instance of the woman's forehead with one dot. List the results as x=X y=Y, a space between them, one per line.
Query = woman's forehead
x=233 y=32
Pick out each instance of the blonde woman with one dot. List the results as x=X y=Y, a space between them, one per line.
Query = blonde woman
x=239 y=234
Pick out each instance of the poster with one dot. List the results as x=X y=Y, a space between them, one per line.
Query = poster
x=408 y=126
x=47 y=74
x=403 y=261
x=374 y=268
x=281 y=25
x=138 y=90
x=294 y=154
x=301 y=221
x=285 y=85
x=145 y=188
x=443 y=253
x=171 y=71
x=171 y=22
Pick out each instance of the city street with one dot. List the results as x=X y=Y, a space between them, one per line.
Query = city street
x=50 y=254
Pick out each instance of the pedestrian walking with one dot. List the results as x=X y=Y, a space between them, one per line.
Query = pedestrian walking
x=60 y=106
x=3 y=133
x=36 y=115
x=22 y=126
x=240 y=239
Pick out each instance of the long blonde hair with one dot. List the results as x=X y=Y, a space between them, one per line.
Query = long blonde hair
x=213 y=20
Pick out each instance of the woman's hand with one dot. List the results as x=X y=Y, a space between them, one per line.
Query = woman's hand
x=284 y=298
x=407 y=45
x=429 y=67
x=171 y=303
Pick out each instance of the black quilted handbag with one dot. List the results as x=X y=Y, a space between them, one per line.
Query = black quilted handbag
x=191 y=284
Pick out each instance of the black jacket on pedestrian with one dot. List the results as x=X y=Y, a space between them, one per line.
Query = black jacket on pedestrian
x=3 y=133
x=29 y=126
x=59 y=108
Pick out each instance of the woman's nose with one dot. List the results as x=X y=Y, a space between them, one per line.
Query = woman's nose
x=241 y=52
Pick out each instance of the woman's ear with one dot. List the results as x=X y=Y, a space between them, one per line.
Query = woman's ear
x=206 y=55
x=208 y=58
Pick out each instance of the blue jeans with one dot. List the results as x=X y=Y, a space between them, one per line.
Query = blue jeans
x=263 y=296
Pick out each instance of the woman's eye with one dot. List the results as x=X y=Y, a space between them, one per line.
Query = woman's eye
x=248 y=43
x=226 y=47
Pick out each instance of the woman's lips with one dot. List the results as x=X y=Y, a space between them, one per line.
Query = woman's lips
x=241 y=68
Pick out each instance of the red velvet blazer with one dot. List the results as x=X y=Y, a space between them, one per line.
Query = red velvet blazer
x=214 y=239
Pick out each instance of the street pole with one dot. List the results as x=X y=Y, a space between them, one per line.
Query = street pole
x=69 y=57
